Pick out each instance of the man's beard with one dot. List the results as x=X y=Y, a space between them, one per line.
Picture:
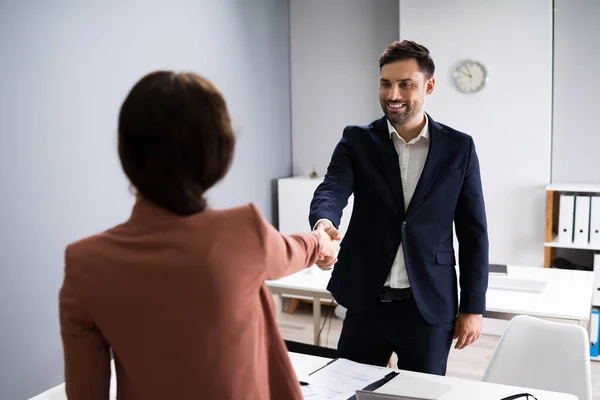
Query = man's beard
x=403 y=116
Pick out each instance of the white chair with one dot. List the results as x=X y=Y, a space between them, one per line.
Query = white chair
x=543 y=355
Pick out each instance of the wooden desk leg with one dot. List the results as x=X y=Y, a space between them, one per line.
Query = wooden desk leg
x=293 y=305
x=316 y=319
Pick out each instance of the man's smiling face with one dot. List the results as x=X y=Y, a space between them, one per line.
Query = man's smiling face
x=402 y=91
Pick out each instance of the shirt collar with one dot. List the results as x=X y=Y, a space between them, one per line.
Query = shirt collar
x=423 y=134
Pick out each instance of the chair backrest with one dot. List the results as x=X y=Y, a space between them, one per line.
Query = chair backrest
x=545 y=355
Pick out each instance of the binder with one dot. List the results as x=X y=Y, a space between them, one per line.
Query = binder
x=594 y=345
x=376 y=385
x=581 y=235
x=595 y=222
x=565 y=218
x=596 y=287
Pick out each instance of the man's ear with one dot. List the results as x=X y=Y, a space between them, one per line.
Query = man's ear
x=430 y=85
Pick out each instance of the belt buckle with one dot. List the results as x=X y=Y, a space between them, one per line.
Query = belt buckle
x=383 y=299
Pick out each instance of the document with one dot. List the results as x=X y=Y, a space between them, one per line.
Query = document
x=312 y=393
x=340 y=379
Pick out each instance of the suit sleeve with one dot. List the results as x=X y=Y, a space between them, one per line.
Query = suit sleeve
x=331 y=196
x=471 y=230
x=86 y=353
x=285 y=254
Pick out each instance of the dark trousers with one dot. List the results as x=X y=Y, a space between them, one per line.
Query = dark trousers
x=372 y=335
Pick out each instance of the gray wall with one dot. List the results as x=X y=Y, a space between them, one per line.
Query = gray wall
x=65 y=69
x=576 y=135
x=335 y=46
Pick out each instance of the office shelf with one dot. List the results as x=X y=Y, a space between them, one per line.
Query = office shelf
x=555 y=243
x=551 y=243
x=573 y=187
x=553 y=191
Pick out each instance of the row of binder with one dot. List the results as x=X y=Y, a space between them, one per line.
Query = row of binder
x=594 y=326
x=579 y=219
x=595 y=321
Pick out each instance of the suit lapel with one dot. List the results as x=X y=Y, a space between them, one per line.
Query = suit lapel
x=390 y=162
x=437 y=139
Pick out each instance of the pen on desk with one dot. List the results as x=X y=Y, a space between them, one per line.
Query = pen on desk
x=303 y=383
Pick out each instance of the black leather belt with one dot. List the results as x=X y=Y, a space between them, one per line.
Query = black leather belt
x=389 y=294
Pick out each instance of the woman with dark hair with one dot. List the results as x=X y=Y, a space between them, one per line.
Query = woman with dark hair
x=177 y=292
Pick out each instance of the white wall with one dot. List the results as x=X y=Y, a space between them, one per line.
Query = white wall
x=335 y=45
x=576 y=136
x=510 y=119
x=65 y=68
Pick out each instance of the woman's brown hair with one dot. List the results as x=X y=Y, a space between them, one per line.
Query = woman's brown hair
x=175 y=139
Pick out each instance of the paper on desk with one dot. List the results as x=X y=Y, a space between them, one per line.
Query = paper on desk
x=313 y=393
x=341 y=379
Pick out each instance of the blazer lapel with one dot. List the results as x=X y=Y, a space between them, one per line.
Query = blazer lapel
x=437 y=139
x=390 y=162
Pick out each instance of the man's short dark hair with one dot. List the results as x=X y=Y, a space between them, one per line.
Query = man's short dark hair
x=175 y=139
x=407 y=49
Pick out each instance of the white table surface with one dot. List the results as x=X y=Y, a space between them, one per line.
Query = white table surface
x=405 y=383
x=312 y=281
x=410 y=383
x=567 y=294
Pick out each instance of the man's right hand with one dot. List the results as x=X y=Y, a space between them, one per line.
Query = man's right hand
x=326 y=261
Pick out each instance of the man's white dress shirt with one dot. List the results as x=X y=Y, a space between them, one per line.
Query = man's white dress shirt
x=411 y=157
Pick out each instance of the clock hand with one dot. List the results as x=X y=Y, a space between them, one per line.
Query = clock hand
x=469 y=71
x=464 y=73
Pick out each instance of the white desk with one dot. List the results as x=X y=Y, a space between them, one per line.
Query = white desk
x=303 y=365
x=311 y=282
x=567 y=294
x=405 y=383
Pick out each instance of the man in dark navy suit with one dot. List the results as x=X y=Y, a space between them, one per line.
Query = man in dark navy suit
x=412 y=178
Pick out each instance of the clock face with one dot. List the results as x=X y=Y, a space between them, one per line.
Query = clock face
x=470 y=77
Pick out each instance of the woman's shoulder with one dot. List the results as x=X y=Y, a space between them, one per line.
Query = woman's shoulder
x=94 y=243
x=246 y=214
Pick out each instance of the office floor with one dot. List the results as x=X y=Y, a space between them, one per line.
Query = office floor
x=469 y=363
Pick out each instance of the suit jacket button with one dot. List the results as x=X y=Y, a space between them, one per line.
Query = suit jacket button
x=404 y=224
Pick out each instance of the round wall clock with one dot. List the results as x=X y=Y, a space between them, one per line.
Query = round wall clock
x=470 y=76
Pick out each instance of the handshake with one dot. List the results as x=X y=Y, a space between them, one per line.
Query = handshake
x=329 y=240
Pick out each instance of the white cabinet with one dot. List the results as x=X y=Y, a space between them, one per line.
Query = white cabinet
x=294 y=197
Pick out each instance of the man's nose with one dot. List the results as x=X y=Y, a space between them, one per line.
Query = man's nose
x=394 y=93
